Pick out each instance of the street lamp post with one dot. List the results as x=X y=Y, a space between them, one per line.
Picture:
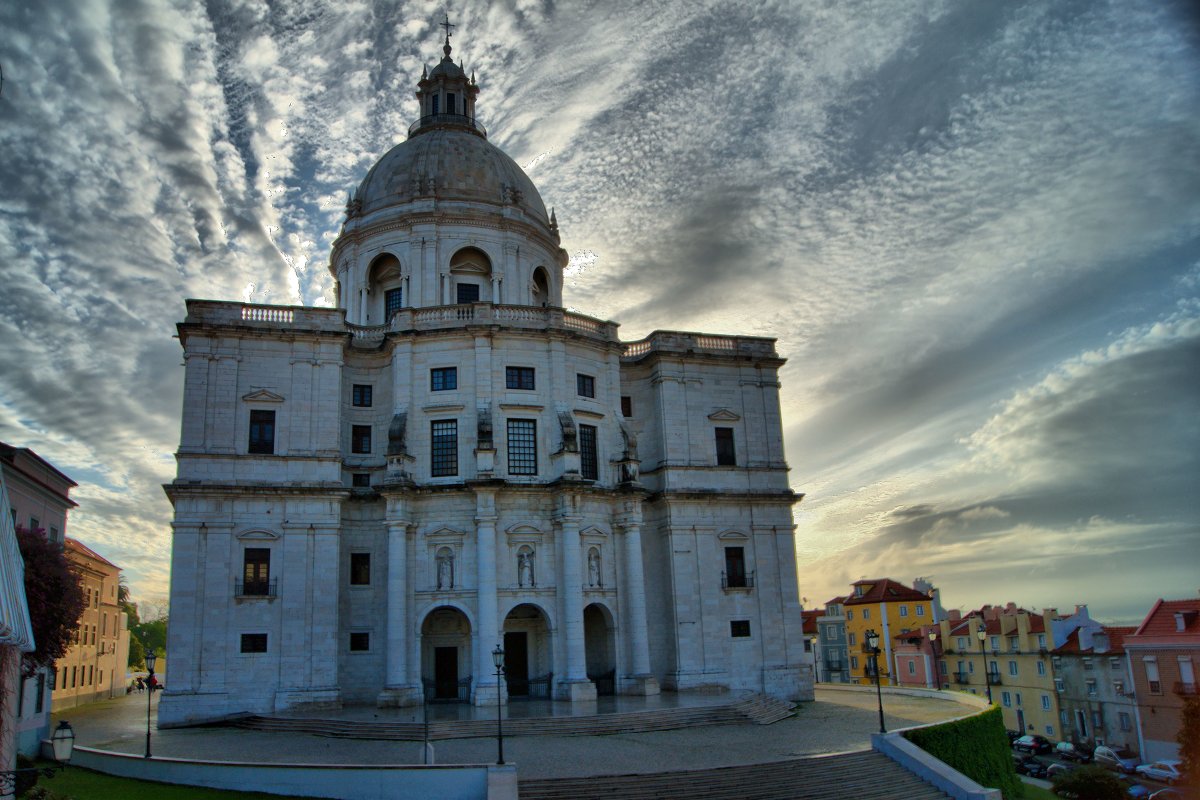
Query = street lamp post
x=933 y=666
x=151 y=657
x=873 y=646
x=498 y=660
x=18 y=781
x=987 y=679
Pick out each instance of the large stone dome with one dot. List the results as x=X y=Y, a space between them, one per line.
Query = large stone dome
x=451 y=163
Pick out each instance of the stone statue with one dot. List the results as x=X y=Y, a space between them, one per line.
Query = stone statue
x=484 y=428
x=569 y=432
x=445 y=571
x=594 y=568
x=397 y=433
x=525 y=569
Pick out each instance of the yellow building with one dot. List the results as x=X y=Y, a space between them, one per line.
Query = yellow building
x=1011 y=659
x=886 y=607
x=94 y=668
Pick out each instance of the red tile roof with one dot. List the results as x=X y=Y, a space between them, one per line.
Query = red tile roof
x=885 y=590
x=1161 y=621
x=83 y=549
x=810 y=619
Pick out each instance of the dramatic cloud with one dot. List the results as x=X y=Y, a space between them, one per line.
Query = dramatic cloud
x=974 y=230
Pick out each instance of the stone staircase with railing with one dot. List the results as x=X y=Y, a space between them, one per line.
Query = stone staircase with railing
x=755 y=708
x=848 y=776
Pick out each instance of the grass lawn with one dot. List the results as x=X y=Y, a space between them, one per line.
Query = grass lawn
x=82 y=784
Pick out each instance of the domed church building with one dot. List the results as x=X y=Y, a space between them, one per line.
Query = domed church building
x=372 y=499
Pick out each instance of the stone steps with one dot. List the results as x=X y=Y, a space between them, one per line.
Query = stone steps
x=862 y=776
x=759 y=709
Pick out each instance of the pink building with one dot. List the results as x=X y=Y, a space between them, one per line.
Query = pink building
x=916 y=661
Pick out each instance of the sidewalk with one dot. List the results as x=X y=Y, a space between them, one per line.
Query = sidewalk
x=835 y=722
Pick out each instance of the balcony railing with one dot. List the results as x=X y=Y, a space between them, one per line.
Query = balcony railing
x=962 y=677
x=1182 y=687
x=994 y=677
x=458 y=120
x=255 y=588
x=744 y=580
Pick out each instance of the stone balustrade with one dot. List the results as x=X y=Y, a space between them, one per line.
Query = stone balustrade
x=683 y=342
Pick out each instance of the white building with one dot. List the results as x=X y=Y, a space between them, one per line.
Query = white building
x=371 y=498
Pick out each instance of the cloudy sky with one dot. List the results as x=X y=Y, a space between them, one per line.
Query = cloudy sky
x=974 y=228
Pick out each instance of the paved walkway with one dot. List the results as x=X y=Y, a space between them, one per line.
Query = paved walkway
x=835 y=722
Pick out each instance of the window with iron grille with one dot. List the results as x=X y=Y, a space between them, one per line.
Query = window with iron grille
x=725 y=452
x=393 y=301
x=444 y=448
x=256 y=571
x=467 y=293
x=735 y=567
x=585 y=385
x=443 y=379
x=522 y=447
x=362 y=396
x=739 y=628
x=589 y=463
x=360 y=439
x=254 y=643
x=262 y=431
x=360 y=641
x=518 y=377
x=360 y=569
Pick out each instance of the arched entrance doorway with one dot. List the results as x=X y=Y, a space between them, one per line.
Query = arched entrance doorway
x=446 y=655
x=528 y=660
x=600 y=649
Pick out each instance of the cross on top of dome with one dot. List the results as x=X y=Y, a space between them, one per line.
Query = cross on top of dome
x=446 y=94
x=448 y=26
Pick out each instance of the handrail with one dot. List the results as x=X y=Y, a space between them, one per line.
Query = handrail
x=458 y=120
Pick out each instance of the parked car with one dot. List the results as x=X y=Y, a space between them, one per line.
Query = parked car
x=1013 y=736
x=1028 y=765
x=1168 y=771
x=1119 y=759
x=1058 y=769
x=1136 y=789
x=1070 y=751
x=1167 y=794
x=1032 y=743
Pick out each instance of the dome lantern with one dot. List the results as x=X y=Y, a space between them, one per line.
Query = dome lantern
x=446 y=95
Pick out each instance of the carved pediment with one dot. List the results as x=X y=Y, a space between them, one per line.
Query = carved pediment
x=732 y=535
x=723 y=415
x=593 y=534
x=444 y=534
x=258 y=535
x=262 y=396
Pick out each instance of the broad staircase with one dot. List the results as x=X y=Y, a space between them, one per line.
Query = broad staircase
x=847 y=776
x=758 y=709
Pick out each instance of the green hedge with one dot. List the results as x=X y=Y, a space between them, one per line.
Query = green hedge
x=977 y=747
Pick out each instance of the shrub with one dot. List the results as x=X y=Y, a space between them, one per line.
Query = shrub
x=977 y=747
x=1090 y=783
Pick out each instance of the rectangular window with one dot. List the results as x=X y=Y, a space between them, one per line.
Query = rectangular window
x=518 y=378
x=1119 y=687
x=1041 y=640
x=1014 y=644
x=254 y=643
x=994 y=642
x=1045 y=702
x=54 y=534
x=360 y=641
x=589 y=463
x=1018 y=699
x=1126 y=722
x=393 y=301
x=445 y=448
x=443 y=379
x=912 y=667
x=1114 y=663
x=435 y=105
x=360 y=569
x=74 y=676
x=1097 y=720
x=1059 y=686
x=739 y=628
x=853 y=662
x=920 y=610
x=360 y=439
x=361 y=480
x=904 y=611
x=866 y=613
x=849 y=615
x=1091 y=687
x=1049 y=730
x=626 y=406
x=466 y=293
x=735 y=567
x=725 y=452
x=1006 y=698
x=362 y=395
x=256 y=571
x=585 y=385
x=1041 y=667
x=262 y=431
x=34 y=524
x=39 y=697
x=451 y=106
x=1012 y=668
x=852 y=639
x=1087 y=664
x=522 y=447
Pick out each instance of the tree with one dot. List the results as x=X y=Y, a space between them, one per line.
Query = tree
x=1189 y=740
x=137 y=654
x=1090 y=783
x=152 y=634
x=54 y=592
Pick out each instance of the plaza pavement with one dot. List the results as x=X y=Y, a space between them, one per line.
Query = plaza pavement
x=837 y=721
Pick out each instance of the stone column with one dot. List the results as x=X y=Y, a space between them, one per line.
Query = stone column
x=399 y=688
x=575 y=685
x=633 y=589
x=486 y=634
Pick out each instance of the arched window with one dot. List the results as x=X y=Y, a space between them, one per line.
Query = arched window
x=470 y=276
x=385 y=282
x=541 y=287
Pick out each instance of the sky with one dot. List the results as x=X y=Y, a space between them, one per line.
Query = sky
x=973 y=228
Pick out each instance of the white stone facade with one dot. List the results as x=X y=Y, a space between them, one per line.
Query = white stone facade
x=371 y=498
